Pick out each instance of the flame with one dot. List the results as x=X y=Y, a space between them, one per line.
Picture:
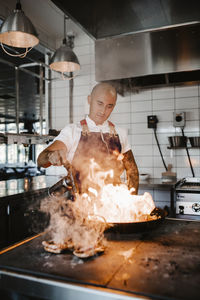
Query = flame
x=83 y=221
x=115 y=203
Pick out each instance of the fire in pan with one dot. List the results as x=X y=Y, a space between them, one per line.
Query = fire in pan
x=152 y=221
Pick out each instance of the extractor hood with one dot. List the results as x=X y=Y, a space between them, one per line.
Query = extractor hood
x=150 y=58
x=141 y=42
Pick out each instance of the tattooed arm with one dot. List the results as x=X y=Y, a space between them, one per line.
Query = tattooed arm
x=131 y=170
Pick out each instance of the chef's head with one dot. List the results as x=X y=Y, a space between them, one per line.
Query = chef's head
x=102 y=101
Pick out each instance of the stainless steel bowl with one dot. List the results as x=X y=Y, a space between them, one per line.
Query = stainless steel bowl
x=177 y=141
x=195 y=141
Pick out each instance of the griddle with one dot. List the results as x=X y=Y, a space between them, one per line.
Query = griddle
x=160 y=264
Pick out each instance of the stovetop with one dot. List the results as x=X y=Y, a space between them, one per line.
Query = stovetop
x=163 y=263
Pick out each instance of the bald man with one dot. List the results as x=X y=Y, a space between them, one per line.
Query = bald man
x=94 y=143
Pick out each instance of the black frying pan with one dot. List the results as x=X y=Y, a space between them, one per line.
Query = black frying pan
x=133 y=227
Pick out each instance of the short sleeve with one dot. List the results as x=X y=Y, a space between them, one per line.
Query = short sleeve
x=123 y=139
x=67 y=136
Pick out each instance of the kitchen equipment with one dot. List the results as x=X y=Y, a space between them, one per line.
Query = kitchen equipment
x=160 y=264
x=188 y=196
x=66 y=184
x=195 y=141
x=177 y=141
x=168 y=176
x=133 y=227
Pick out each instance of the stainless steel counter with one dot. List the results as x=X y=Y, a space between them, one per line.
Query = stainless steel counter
x=157 y=183
x=26 y=185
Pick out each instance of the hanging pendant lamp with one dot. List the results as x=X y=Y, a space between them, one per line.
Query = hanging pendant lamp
x=64 y=59
x=18 y=31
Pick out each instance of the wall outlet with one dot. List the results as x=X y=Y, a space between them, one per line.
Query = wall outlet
x=179 y=119
x=152 y=121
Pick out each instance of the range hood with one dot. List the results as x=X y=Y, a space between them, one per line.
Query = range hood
x=158 y=57
x=141 y=42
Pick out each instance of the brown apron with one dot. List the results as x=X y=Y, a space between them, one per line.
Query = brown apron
x=103 y=149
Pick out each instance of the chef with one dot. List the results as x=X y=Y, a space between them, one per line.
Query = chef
x=94 y=146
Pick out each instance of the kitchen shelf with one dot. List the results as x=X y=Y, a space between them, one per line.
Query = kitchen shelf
x=183 y=148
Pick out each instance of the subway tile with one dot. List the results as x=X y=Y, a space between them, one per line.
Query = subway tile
x=183 y=172
x=61 y=111
x=141 y=95
x=184 y=162
x=82 y=80
x=83 y=91
x=118 y=118
x=188 y=91
x=144 y=161
x=141 y=139
x=86 y=69
x=186 y=103
x=83 y=39
x=122 y=107
x=62 y=102
x=191 y=126
x=78 y=110
x=139 y=128
x=85 y=49
x=79 y=100
x=164 y=116
x=165 y=127
x=157 y=172
x=158 y=163
x=165 y=151
x=140 y=117
x=85 y=59
x=142 y=150
x=192 y=114
x=163 y=104
x=141 y=106
x=59 y=84
x=163 y=93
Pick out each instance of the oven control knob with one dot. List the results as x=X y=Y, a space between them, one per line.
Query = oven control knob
x=181 y=209
x=196 y=207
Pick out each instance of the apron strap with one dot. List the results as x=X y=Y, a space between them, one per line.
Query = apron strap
x=112 y=129
x=85 y=129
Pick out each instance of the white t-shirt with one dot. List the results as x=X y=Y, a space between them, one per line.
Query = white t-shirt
x=70 y=136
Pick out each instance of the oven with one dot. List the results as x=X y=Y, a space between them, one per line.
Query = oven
x=187 y=192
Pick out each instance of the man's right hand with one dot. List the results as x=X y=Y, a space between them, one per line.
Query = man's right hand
x=55 y=154
x=57 y=157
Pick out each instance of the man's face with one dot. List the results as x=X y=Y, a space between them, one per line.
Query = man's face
x=102 y=104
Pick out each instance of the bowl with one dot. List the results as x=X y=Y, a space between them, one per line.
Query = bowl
x=143 y=176
x=195 y=141
x=177 y=141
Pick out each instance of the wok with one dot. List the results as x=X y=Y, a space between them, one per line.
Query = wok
x=136 y=227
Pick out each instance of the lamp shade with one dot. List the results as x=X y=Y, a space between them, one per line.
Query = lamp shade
x=64 y=60
x=18 y=31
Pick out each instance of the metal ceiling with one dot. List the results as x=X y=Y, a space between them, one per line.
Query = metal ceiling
x=111 y=18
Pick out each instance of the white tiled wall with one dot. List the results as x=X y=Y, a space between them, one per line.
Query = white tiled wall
x=131 y=113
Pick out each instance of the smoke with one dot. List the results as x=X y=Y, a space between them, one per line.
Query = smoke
x=82 y=222
x=71 y=223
